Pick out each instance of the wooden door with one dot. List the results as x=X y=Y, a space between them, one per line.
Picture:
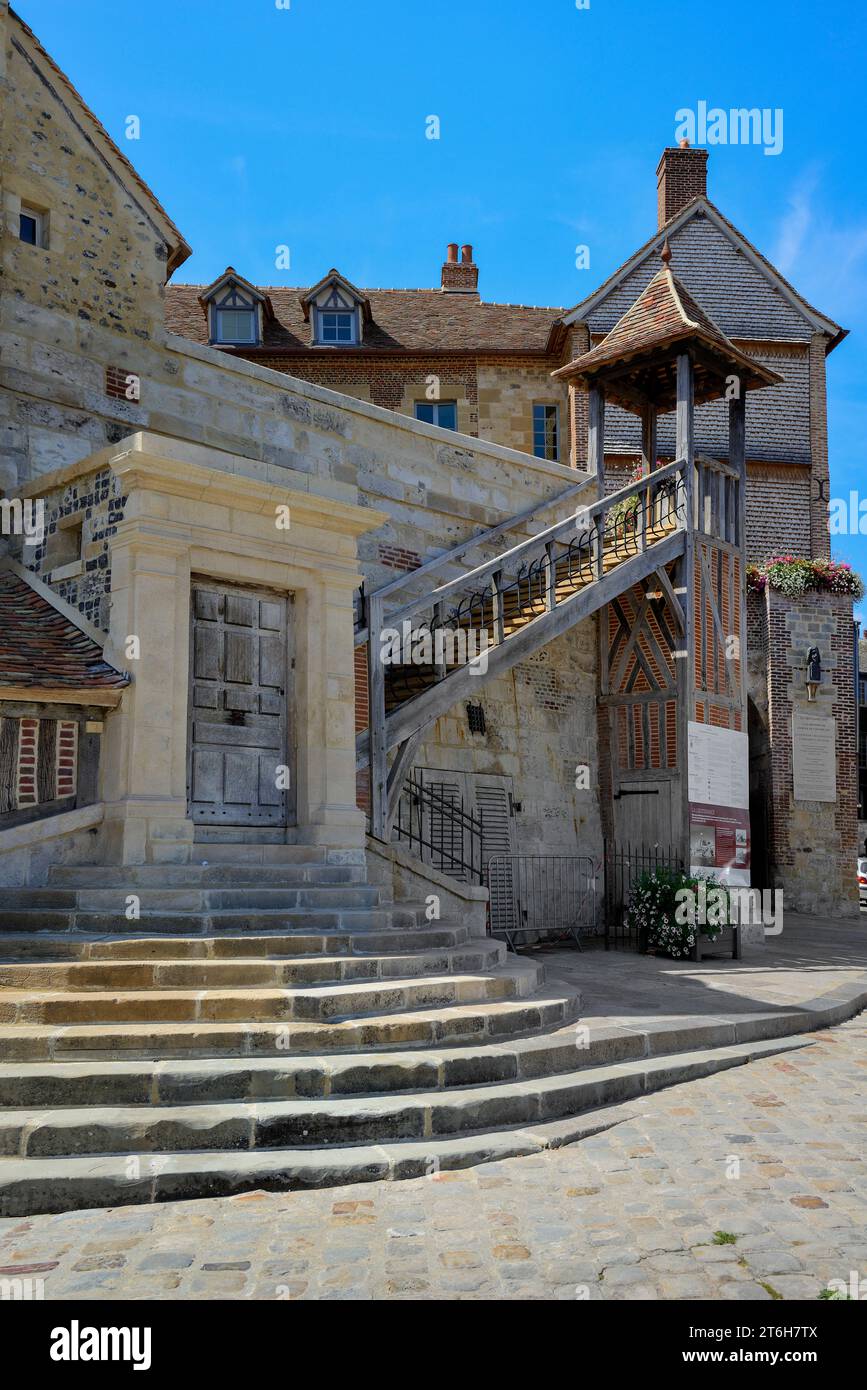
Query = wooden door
x=240 y=767
x=643 y=814
x=490 y=799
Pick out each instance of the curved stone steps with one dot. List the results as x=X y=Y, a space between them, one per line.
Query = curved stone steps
x=47 y=946
x=49 y=1184
x=216 y=1080
x=456 y=1025
x=65 y=877
x=239 y=972
x=345 y=1000
x=385 y=917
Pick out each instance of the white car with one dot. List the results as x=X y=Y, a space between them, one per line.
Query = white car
x=862 y=881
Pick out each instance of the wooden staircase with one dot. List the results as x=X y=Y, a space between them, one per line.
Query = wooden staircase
x=511 y=605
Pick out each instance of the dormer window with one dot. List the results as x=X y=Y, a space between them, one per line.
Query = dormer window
x=236 y=311
x=234 y=318
x=336 y=312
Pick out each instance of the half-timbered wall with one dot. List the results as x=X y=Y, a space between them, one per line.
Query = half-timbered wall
x=38 y=763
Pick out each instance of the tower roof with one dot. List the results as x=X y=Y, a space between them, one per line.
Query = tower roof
x=635 y=361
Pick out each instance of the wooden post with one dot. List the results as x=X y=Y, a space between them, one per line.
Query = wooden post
x=596 y=437
x=685 y=431
x=436 y=625
x=648 y=463
x=497 y=607
x=596 y=465
x=738 y=460
x=376 y=695
x=550 y=577
x=685 y=449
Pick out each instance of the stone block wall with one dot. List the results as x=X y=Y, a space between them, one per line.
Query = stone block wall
x=540 y=727
x=813 y=844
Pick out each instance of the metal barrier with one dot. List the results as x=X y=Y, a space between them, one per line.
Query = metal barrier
x=541 y=895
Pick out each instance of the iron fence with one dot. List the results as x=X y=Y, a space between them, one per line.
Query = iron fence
x=623 y=864
x=542 y=895
x=438 y=828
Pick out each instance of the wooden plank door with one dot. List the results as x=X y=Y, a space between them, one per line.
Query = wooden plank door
x=239 y=728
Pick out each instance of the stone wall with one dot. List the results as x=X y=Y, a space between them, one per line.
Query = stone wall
x=540 y=726
x=813 y=843
x=507 y=395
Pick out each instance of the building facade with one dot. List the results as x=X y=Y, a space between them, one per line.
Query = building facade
x=160 y=428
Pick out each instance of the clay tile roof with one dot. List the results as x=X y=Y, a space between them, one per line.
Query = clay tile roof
x=40 y=647
x=664 y=313
x=411 y=320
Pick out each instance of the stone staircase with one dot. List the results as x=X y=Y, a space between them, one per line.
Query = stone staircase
x=270 y=1020
x=265 y=1004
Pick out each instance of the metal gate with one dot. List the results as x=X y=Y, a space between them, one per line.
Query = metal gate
x=541 y=895
x=623 y=864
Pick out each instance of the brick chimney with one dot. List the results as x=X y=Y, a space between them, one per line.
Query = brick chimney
x=680 y=176
x=460 y=276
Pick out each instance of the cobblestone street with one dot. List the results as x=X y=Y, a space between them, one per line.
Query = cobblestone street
x=751 y=1184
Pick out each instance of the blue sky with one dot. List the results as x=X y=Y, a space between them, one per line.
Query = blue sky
x=305 y=126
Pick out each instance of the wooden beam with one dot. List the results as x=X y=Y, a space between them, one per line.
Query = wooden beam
x=378 y=745
x=685 y=449
x=423 y=709
x=107 y=697
x=397 y=775
x=671 y=598
x=738 y=460
x=596 y=438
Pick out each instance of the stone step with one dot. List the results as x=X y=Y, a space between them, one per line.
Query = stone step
x=456 y=1025
x=313 y=1003
x=383 y=918
x=195 y=899
x=216 y=852
x=311 y=897
x=159 y=876
x=217 y=1080
x=237 y=972
x=472 y=1132
x=20 y=947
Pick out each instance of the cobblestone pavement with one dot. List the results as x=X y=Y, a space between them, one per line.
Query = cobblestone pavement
x=773 y=1154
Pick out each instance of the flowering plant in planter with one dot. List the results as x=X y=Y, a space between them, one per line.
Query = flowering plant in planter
x=794 y=575
x=655 y=911
x=624 y=513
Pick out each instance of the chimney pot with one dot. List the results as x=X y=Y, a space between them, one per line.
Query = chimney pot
x=460 y=276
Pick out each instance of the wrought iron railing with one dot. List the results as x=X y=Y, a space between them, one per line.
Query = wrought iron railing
x=440 y=831
x=544 y=896
x=623 y=865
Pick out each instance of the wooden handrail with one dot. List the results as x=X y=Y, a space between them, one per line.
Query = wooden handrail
x=498 y=562
x=438 y=561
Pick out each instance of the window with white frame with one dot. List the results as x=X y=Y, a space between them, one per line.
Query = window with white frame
x=546 y=431
x=234 y=317
x=31 y=226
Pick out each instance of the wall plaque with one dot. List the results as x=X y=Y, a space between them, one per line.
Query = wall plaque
x=814 y=756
